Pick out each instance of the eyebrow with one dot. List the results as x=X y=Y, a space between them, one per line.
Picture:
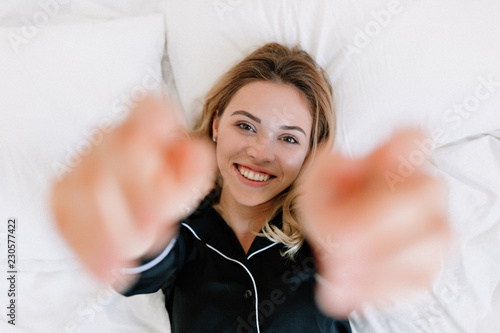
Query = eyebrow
x=257 y=120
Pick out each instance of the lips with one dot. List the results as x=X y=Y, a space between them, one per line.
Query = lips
x=253 y=174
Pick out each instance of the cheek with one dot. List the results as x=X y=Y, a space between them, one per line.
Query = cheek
x=293 y=164
x=230 y=145
x=225 y=150
x=221 y=154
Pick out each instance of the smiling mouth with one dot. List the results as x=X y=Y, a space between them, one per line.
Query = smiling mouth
x=252 y=174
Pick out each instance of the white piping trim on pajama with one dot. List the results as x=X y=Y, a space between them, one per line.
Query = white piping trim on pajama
x=263 y=249
x=152 y=263
x=239 y=263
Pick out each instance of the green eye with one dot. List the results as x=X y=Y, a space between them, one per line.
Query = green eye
x=289 y=139
x=244 y=126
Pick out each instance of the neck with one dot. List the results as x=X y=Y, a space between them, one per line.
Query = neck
x=245 y=221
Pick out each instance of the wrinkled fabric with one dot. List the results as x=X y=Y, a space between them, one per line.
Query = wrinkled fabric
x=212 y=285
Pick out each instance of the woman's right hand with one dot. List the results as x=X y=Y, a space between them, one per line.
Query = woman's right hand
x=125 y=199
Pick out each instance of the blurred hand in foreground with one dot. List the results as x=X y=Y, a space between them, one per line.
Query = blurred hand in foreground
x=377 y=235
x=125 y=199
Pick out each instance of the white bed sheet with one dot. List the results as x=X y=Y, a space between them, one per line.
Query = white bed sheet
x=73 y=72
x=466 y=296
x=453 y=43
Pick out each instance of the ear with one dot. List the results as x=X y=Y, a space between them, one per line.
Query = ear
x=215 y=125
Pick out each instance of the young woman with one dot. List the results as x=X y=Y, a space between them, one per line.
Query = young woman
x=239 y=260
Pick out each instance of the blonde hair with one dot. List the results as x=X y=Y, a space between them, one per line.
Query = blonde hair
x=283 y=65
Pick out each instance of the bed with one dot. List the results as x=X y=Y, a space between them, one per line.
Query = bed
x=70 y=70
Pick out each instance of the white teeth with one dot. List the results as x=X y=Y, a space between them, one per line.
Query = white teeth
x=253 y=176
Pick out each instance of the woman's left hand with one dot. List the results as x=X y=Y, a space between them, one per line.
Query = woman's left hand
x=377 y=226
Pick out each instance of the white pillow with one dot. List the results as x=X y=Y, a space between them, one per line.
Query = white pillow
x=56 y=87
x=205 y=38
x=392 y=63
x=22 y=12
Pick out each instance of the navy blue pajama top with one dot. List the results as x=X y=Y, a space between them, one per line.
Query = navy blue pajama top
x=212 y=285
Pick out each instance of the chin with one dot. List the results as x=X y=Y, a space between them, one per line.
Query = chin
x=251 y=199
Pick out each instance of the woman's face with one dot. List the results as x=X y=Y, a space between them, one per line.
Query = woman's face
x=262 y=141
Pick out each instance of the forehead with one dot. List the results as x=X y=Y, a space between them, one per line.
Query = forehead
x=272 y=102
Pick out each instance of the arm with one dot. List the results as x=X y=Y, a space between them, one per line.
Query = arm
x=153 y=273
x=373 y=241
x=124 y=200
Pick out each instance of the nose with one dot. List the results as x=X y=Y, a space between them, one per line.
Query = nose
x=261 y=150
